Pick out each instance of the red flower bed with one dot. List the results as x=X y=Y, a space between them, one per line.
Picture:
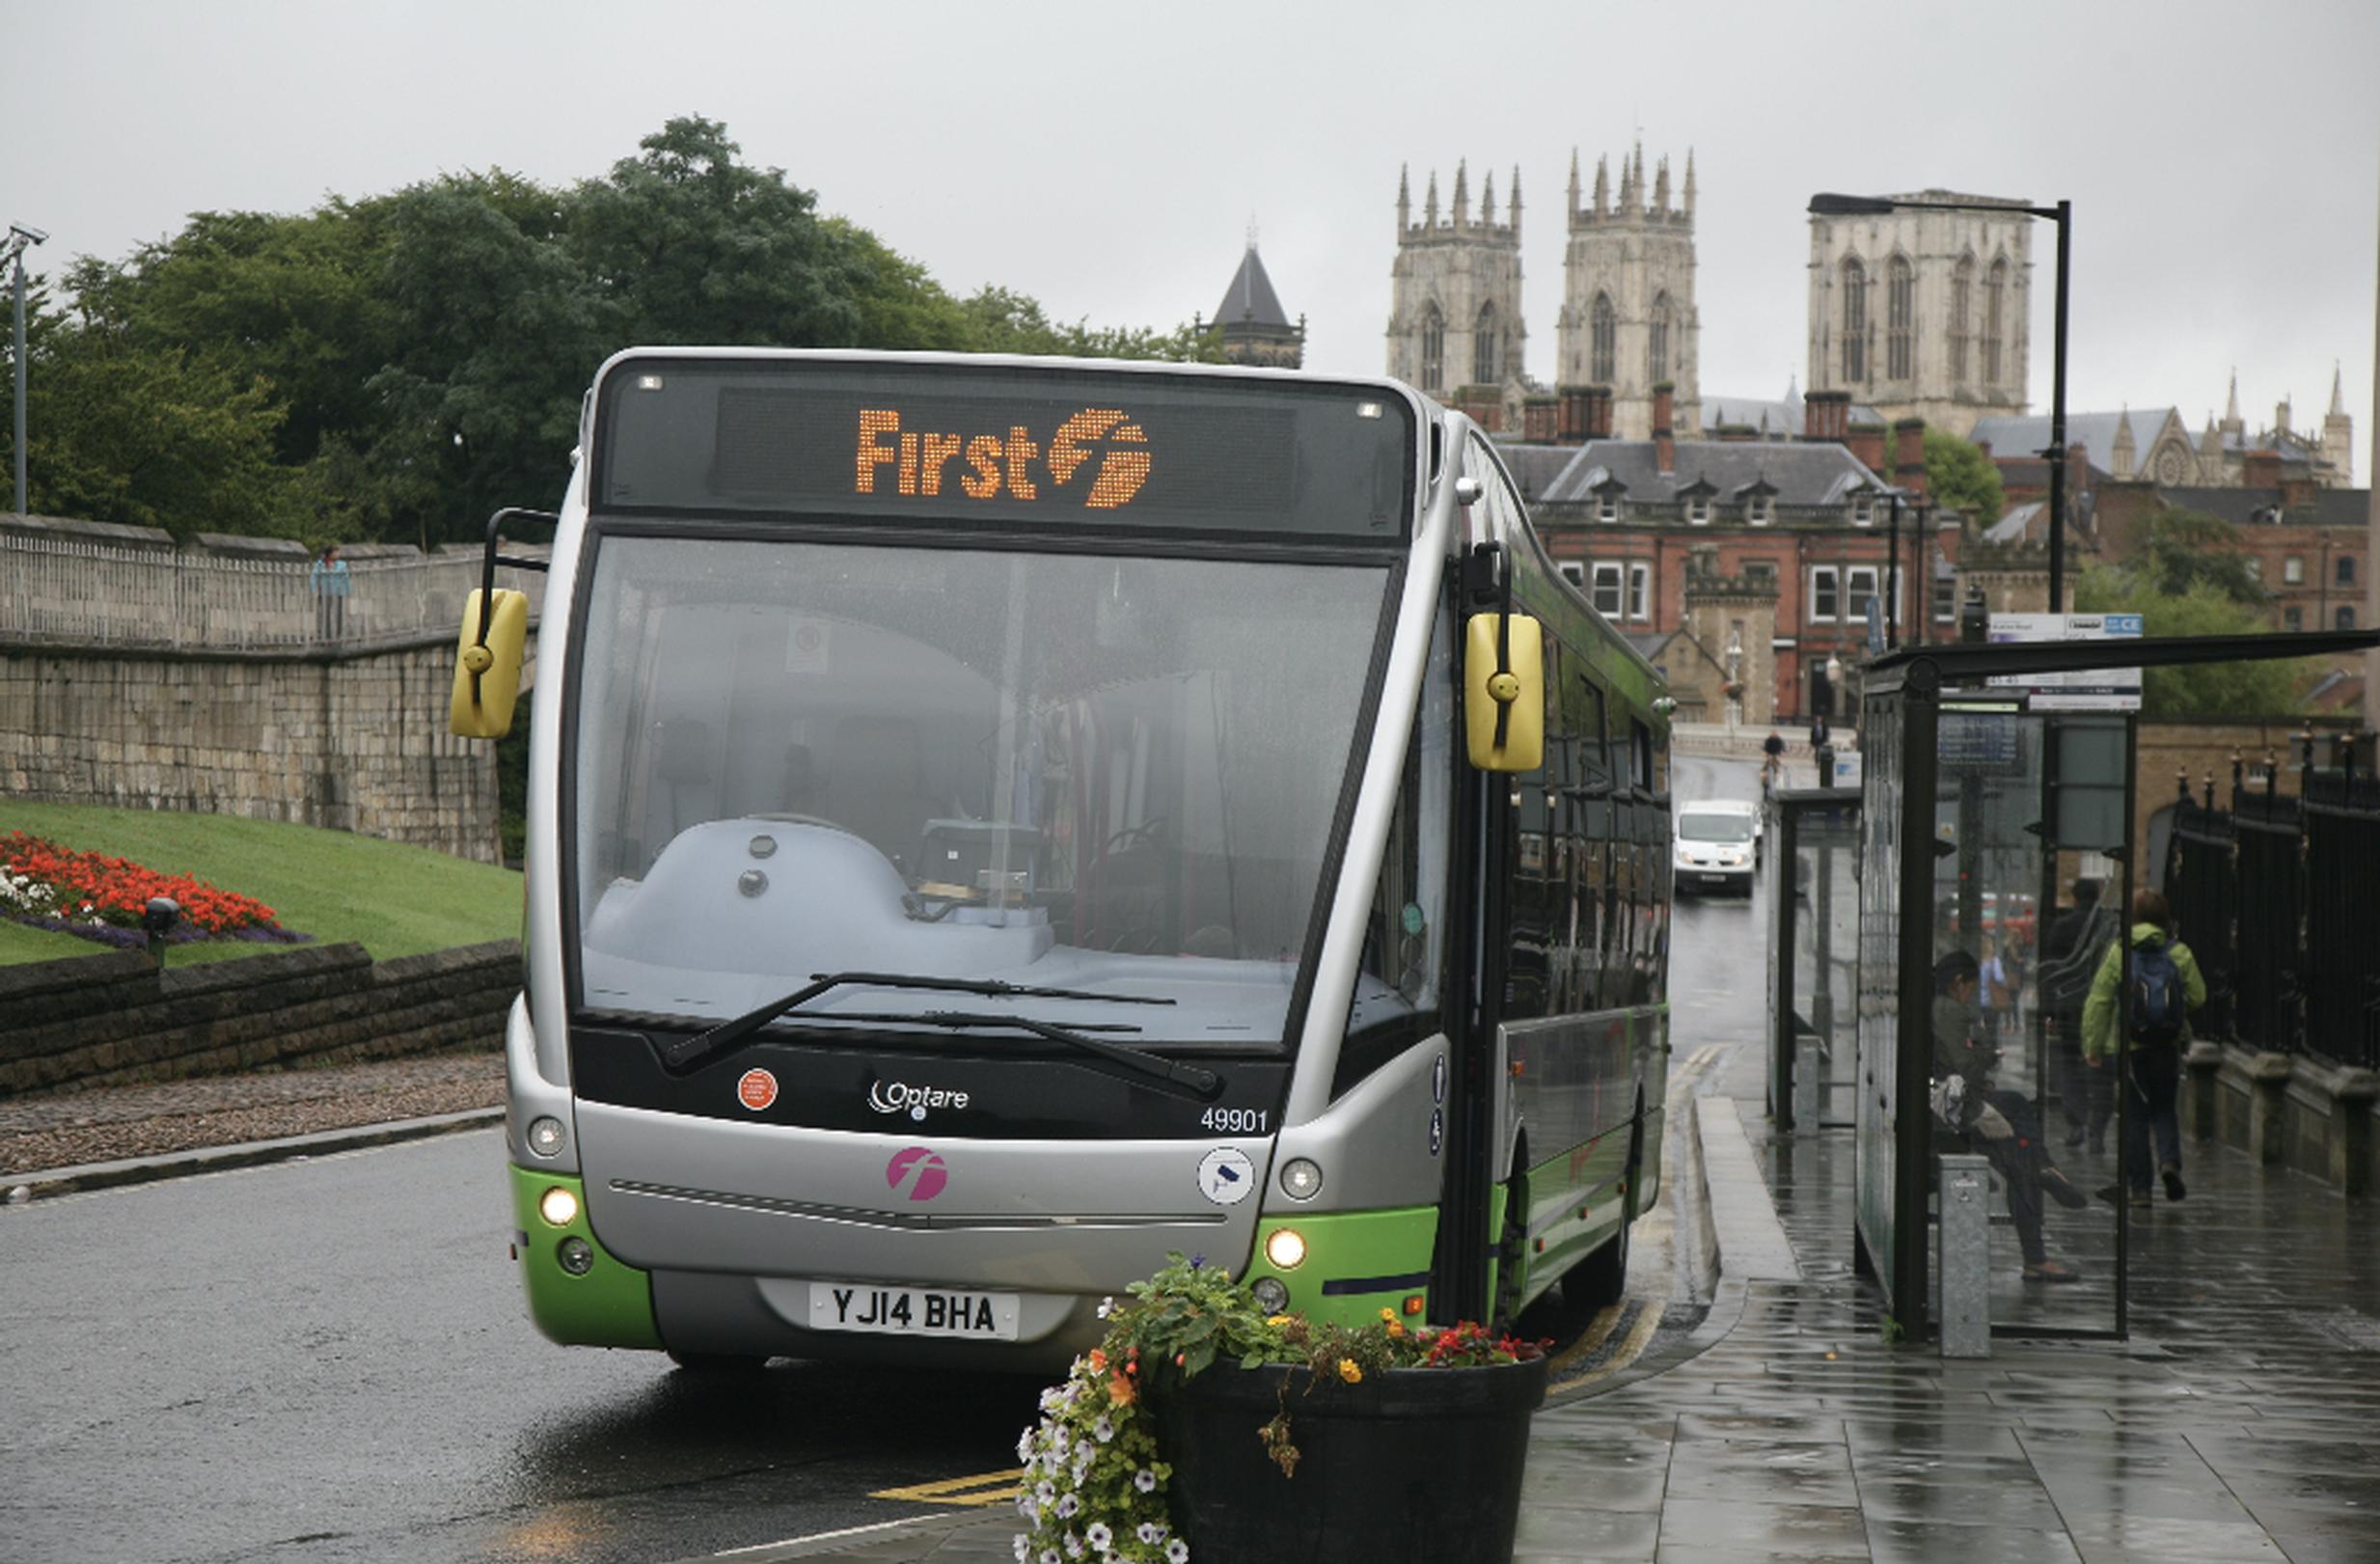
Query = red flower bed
x=116 y=890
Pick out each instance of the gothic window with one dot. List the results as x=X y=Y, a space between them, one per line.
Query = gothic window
x=1899 y=317
x=1433 y=348
x=1603 y=342
x=1482 y=348
x=1656 y=342
x=1855 y=320
x=1962 y=303
x=1995 y=318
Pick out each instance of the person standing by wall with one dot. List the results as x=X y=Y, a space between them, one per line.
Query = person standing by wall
x=2165 y=988
x=330 y=584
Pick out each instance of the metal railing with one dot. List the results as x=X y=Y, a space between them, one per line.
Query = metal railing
x=99 y=594
x=2278 y=897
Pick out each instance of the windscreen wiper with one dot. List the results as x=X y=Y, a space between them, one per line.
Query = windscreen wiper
x=1174 y=1075
x=688 y=1051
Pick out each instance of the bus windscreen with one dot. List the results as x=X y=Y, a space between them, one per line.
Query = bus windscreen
x=1030 y=448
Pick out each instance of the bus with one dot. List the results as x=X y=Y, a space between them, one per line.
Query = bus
x=995 y=822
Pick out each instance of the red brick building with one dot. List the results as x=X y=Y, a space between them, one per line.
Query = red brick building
x=1667 y=533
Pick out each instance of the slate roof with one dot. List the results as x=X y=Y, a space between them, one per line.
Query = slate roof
x=2094 y=432
x=1802 y=475
x=1774 y=417
x=1249 y=300
x=1534 y=467
x=2262 y=506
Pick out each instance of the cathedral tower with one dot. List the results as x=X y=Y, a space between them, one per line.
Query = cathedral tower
x=1628 y=319
x=1454 y=318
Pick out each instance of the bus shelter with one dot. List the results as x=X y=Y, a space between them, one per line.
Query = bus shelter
x=1994 y=846
x=1813 y=957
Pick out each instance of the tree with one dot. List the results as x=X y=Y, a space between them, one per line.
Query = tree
x=1958 y=475
x=2182 y=549
x=2249 y=689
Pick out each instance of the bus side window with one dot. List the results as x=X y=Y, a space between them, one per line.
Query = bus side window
x=1640 y=766
x=1404 y=936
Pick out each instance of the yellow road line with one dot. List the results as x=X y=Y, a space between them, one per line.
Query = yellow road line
x=1639 y=1336
x=991 y=1487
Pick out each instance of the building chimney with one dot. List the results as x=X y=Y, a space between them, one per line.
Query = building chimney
x=1598 y=412
x=1570 y=424
x=1539 y=420
x=1664 y=439
x=1867 y=443
x=1909 y=454
x=2259 y=470
x=1482 y=406
x=1826 y=415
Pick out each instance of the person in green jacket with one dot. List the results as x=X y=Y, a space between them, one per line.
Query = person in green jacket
x=2166 y=986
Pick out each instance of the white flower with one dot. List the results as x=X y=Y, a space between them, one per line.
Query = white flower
x=1046 y=1492
x=1025 y=1445
x=1150 y=1531
x=1068 y=1506
x=1023 y=1546
x=1098 y=1535
x=1052 y=1399
x=1103 y=1430
x=1177 y=1552
x=1025 y=1507
x=1058 y=1441
x=1074 y=1546
x=1106 y=1307
x=1147 y=1481
x=1049 y=1555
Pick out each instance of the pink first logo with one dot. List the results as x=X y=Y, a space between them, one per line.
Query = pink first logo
x=922 y=1169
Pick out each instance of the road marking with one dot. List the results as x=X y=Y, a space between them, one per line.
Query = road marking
x=1696 y=1062
x=991 y=1487
x=1639 y=1336
x=816 y=1536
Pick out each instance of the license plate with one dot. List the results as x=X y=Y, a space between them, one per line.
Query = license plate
x=913 y=1311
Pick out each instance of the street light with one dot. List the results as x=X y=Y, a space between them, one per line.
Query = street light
x=19 y=236
x=1830 y=204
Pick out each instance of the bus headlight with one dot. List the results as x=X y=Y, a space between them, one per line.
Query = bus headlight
x=1271 y=1293
x=1285 y=1248
x=576 y=1254
x=1302 y=1179
x=547 y=1137
x=558 y=1206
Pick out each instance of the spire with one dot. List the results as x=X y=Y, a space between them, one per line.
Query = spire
x=1429 y=210
x=1405 y=200
x=1602 y=184
x=1573 y=181
x=2339 y=404
x=1463 y=193
x=2230 y=408
x=1690 y=182
x=1627 y=183
x=1660 y=189
x=1515 y=201
x=1486 y=201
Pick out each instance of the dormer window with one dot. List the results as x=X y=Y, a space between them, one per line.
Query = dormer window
x=1698 y=510
x=1607 y=505
x=1863 y=511
x=1759 y=511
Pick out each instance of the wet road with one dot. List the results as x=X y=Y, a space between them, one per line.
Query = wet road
x=328 y=1360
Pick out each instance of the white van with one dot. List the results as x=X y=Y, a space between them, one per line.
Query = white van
x=1718 y=845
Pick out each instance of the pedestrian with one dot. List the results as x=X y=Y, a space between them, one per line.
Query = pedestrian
x=1992 y=992
x=1772 y=763
x=2165 y=987
x=1820 y=735
x=1822 y=748
x=2069 y=959
x=1999 y=1124
x=330 y=584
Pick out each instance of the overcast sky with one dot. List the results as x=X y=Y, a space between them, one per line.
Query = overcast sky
x=2224 y=160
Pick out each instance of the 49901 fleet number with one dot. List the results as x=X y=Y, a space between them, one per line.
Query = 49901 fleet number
x=1238 y=1121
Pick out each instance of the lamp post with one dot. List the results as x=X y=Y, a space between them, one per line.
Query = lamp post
x=1829 y=204
x=20 y=237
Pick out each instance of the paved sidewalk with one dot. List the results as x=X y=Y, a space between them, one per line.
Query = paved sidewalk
x=2240 y=1422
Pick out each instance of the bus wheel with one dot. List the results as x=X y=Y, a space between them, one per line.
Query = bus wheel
x=718 y=1364
x=1600 y=1280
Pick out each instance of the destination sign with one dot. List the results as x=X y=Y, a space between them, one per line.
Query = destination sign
x=960 y=443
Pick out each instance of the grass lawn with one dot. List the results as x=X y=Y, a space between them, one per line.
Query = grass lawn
x=390 y=899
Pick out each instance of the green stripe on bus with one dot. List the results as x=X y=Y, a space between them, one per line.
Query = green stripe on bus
x=612 y=1306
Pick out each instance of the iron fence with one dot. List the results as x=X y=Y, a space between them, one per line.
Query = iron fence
x=103 y=595
x=2278 y=897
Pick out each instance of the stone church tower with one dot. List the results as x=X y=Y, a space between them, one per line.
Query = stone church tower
x=1252 y=326
x=1923 y=314
x=1454 y=317
x=1628 y=319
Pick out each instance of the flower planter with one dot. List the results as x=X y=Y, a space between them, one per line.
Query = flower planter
x=1419 y=1464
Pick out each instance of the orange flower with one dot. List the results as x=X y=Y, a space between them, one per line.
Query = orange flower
x=1099 y=1362
x=1349 y=1372
x=1120 y=1390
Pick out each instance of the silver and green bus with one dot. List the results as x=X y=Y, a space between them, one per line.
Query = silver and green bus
x=993 y=822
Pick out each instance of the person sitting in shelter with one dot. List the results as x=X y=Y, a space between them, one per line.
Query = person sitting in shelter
x=1999 y=1123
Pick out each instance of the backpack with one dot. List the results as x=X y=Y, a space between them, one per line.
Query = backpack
x=2159 y=1006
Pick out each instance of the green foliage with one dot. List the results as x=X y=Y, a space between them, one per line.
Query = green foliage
x=1958 y=475
x=2251 y=689
x=2181 y=550
x=399 y=365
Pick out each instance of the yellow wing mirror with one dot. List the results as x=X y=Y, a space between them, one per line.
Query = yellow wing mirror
x=1504 y=695
x=487 y=668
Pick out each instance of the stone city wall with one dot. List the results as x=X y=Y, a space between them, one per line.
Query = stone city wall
x=115 y=1019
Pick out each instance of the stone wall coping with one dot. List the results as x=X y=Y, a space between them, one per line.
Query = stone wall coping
x=69 y=530
x=27 y=980
x=2266 y=1066
x=243 y=546
x=454 y=958
x=352 y=650
x=298 y=961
